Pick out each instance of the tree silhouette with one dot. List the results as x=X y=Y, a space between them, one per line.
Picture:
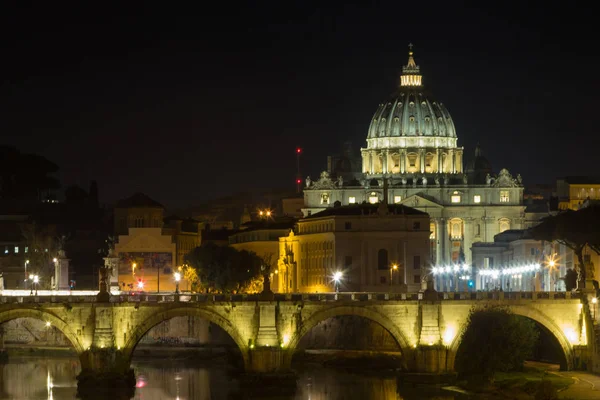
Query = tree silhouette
x=574 y=229
x=25 y=176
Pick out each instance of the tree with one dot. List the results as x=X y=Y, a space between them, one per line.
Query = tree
x=25 y=176
x=574 y=229
x=495 y=340
x=223 y=269
x=570 y=280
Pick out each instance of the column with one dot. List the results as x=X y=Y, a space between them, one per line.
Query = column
x=422 y=160
x=438 y=167
x=372 y=162
x=385 y=161
x=438 y=242
x=452 y=163
x=402 y=161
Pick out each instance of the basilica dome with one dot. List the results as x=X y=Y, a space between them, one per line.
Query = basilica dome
x=411 y=111
x=412 y=133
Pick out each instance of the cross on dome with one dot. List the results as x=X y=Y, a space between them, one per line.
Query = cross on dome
x=410 y=72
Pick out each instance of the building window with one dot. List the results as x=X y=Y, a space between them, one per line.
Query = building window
x=352 y=200
x=504 y=197
x=397 y=199
x=456 y=228
x=373 y=198
x=477 y=199
x=417 y=262
x=488 y=262
x=417 y=279
x=382 y=259
x=16 y=249
x=324 y=198
x=26 y=249
x=416 y=226
x=478 y=230
x=348 y=225
x=455 y=197
x=432 y=230
x=504 y=225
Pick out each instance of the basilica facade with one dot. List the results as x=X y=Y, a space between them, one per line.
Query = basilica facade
x=412 y=149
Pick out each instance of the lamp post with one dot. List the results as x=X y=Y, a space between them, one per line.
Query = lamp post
x=25 y=280
x=177 y=277
x=31 y=285
x=337 y=277
x=393 y=268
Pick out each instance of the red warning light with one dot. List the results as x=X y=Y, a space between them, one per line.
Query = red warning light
x=298 y=181
x=298 y=150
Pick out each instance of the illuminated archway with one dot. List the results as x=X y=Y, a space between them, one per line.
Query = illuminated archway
x=140 y=331
x=44 y=316
x=363 y=312
x=534 y=315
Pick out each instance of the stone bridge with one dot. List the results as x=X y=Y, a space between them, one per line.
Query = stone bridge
x=267 y=332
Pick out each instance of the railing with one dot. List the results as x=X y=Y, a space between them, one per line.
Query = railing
x=292 y=297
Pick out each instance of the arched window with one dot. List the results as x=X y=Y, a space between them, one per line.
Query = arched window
x=504 y=224
x=456 y=228
x=478 y=230
x=382 y=259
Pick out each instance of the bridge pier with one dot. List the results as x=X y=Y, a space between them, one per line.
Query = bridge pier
x=431 y=359
x=105 y=371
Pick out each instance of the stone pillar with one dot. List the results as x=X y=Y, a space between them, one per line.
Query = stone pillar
x=430 y=354
x=61 y=271
x=385 y=161
x=438 y=241
x=402 y=161
x=111 y=263
x=452 y=162
x=422 y=160
x=438 y=156
x=371 y=161
x=443 y=241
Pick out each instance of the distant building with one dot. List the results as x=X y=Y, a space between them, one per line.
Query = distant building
x=363 y=242
x=412 y=143
x=573 y=191
x=292 y=206
x=262 y=238
x=150 y=248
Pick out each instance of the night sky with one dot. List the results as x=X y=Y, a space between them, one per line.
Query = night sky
x=190 y=104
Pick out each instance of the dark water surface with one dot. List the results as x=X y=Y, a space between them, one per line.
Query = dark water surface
x=36 y=378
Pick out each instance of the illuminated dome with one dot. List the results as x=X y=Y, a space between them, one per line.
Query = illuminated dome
x=412 y=132
x=412 y=110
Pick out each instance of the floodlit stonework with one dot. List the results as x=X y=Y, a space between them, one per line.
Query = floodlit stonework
x=412 y=143
x=427 y=326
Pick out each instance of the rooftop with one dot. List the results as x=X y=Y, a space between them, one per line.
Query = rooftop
x=138 y=200
x=367 y=209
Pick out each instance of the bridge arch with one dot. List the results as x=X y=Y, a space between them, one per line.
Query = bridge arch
x=345 y=310
x=185 y=311
x=46 y=316
x=535 y=315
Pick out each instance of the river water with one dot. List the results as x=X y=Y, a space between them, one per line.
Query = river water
x=36 y=378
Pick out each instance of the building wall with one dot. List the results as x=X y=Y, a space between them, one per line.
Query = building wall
x=154 y=255
x=137 y=217
x=478 y=222
x=352 y=245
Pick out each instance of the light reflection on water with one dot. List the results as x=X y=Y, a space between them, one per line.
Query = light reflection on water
x=36 y=378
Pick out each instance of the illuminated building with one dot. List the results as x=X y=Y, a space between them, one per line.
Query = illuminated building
x=574 y=191
x=150 y=247
x=363 y=242
x=413 y=144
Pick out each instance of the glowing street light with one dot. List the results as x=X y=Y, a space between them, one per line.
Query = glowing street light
x=337 y=277
x=177 y=277
x=393 y=268
x=140 y=285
